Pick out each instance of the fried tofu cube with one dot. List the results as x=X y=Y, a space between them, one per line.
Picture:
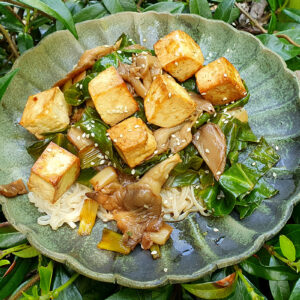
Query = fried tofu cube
x=53 y=173
x=167 y=103
x=111 y=97
x=133 y=140
x=179 y=55
x=220 y=83
x=46 y=112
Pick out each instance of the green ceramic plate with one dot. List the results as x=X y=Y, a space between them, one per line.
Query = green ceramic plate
x=274 y=113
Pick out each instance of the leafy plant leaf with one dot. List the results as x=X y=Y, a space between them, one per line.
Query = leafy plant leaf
x=273 y=4
x=171 y=7
x=295 y=295
x=91 y=12
x=280 y=289
x=5 y=80
x=46 y=277
x=293 y=13
x=223 y=10
x=281 y=46
x=254 y=267
x=287 y=248
x=272 y=23
x=27 y=253
x=24 y=41
x=113 y=6
x=201 y=8
x=213 y=290
x=9 y=237
x=56 y=9
x=9 y=20
x=4 y=262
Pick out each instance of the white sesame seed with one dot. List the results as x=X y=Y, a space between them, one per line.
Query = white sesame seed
x=253 y=164
x=274 y=175
x=219 y=173
x=176 y=63
x=226 y=121
x=156 y=151
x=173 y=135
x=210 y=54
x=93 y=121
x=129 y=130
x=136 y=126
x=121 y=135
x=197 y=137
x=154 y=77
x=203 y=93
x=143 y=65
x=106 y=157
x=206 y=171
x=183 y=141
x=224 y=99
x=87 y=135
x=189 y=129
x=92 y=163
x=78 y=138
x=83 y=135
x=107 y=134
x=80 y=86
x=146 y=206
x=77 y=85
x=170 y=95
x=137 y=77
x=119 y=51
x=115 y=140
x=215 y=114
x=153 y=252
x=228 y=50
x=207 y=150
x=102 y=162
x=96 y=145
x=225 y=75
x=165 y=270
x=216 y=229
x=133 y=171
x=92 y=134
x=130 y=58
x=144 y=40
x=276 y=148
x=166 y=202
x=245 y=93
x=49 y=149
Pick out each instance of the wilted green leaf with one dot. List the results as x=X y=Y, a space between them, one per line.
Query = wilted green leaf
x=56 y=9
x=5 y=80
x=287 y=248
x=200 y=7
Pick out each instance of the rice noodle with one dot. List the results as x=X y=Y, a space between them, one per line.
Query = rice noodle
x=179 y=202
x=65 y=210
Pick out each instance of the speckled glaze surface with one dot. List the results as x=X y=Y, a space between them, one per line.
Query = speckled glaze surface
x=274 y=112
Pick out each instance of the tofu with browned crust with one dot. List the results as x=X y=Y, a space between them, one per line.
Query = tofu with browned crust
x=46 y=112
x=53 y=173
x=179 y=55
x=167 y=103
x=133 y=140
x=219 y=82
x=111 y=97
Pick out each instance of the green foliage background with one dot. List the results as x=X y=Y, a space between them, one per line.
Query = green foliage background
x=272 y=273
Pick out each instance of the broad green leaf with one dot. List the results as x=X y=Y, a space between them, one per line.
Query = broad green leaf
x=280 y=289
x=272 y=23
x=254 y=267
x=10 y=237
x=24 y=41
x=292 y=13
x=5 y=80
x=234 y=14
x=213 y=290
x=190 y=177
x=128 y=5
x=287 y=248
x=61 y=277
x=113 y=6
x=4 y=262
x=294 y=34
x=200 y=7
x=287 y=25
x=223 y=10
x=27 y=253
x=294 y=63
x=295 y=295
x=91 y=12
x=281 y=46
x=46 y=277
x=171 y=7
x=15 y=277
x=56 y=9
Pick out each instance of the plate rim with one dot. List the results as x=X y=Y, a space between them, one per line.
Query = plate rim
x=166 y=279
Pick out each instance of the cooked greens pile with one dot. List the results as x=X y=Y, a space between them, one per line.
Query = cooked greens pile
x=248 y=158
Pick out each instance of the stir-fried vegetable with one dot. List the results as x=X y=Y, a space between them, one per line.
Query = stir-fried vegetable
x=113 y=241
x=88 y=216
x=155 y=251
x=103 y=178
